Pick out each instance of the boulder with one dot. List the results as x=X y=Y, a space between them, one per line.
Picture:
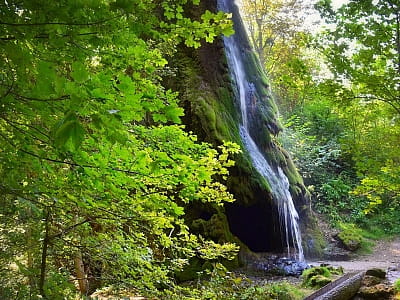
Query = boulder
x=370 y=280
x=349 y=240
x=318 y=281
x=378 y=291
x=376 y=272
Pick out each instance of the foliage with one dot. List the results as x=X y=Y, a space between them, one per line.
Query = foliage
x=316 y=277
x=95 y=170
x=363 y=48
x=345 y=127
x=315 y=158
x=229 y=286
x=397 y=285
x=383 y=189
x=271 y=24
x=312 y=138
x=362 y=51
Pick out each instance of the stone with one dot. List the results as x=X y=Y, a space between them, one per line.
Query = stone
x=333 y=252
x=378 y=291
x=369 y=280
x=318 y=281
x=377 y=272
x=350 y=238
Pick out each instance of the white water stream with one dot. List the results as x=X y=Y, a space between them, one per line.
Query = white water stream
x=276 y=178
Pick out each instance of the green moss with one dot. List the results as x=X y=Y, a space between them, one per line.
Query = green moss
x=350 y=236
x=318 y=281
x=397 y=286
x=313 y=240
x=318 y=277
x=212 y=112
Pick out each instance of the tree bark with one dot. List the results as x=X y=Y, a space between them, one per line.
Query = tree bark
x=44 y=255
x=80 y=273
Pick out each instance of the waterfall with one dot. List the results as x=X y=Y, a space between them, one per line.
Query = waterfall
x=235 y=48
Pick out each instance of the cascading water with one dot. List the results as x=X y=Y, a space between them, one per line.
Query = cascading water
x=274 y=175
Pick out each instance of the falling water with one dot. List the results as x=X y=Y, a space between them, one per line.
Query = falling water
x=276 y=178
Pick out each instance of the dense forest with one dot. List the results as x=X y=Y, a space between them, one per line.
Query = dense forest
x=118 y=174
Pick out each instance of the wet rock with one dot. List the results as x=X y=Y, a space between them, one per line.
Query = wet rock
x=393 y=273
x=376 y=272
x=378 y=291
x=291 y=267
x=281 y=266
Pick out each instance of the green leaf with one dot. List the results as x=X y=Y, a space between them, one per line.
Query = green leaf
x=70 y=130
x=79 y=72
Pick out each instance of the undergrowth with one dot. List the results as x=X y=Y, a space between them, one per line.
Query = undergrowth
x=224 y=285
x=217 y=284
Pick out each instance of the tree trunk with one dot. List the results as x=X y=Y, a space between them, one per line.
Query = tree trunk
x=260 y=48
x=80 y=273
x=30 y=254
x=44 y=255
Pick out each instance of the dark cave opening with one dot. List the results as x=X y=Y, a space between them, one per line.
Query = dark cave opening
x=257 y=226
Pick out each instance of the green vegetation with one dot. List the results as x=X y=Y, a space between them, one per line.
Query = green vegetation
x=351 y=237
x=397 y=286
x=229 y=286
x=318 y=277
x=95 y=169
x=338 y=93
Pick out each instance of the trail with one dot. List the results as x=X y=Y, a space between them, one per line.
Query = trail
x=385 y=255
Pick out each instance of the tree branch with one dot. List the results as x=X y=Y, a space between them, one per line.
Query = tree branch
x=68 y=229
x=60 y=23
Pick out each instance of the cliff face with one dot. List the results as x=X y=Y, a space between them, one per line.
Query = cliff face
x=212 y=112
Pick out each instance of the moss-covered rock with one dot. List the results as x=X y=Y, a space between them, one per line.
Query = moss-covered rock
x=318 y=281
x=369 y=280
x=379 y=291
x=309 y=273
x=318 y=277
x=350 y=239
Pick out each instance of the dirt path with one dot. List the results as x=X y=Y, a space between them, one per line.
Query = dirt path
x=385 y=255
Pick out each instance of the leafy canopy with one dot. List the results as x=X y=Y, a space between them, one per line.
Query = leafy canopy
x=95 y=170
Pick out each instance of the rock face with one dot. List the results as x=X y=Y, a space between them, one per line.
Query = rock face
x=212 y=112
